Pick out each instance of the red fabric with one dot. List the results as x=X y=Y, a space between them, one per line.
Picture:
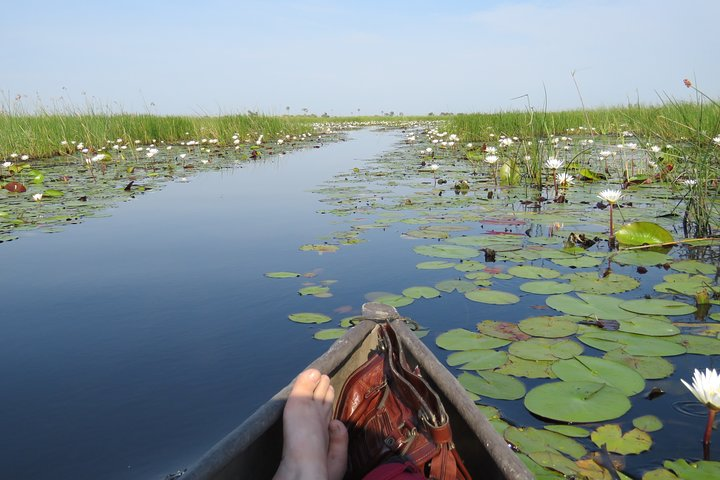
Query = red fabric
x=394 y=471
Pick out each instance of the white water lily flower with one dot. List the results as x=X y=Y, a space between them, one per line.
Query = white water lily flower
x=605 y=153
x=491 y=159
x=554 y=163
x=655 y=149
x=428 y=150
x=490 y=150
x=610 y=196
x=152 y=152
x=7 y=164
x=434 y=167
x=24 y=157
x=690 y=182
x=37 y=197
x=706 y=388
x=565 y=179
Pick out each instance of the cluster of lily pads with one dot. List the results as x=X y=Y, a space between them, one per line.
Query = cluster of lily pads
x=589 y=360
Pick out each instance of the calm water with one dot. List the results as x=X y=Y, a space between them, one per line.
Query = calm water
x=131 y=344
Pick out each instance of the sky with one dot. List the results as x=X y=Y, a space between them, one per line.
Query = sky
x=362 y=57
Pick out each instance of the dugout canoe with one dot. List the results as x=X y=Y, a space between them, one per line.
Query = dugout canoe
x=253 y=449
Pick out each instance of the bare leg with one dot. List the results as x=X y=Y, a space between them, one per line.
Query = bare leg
x=314 y=448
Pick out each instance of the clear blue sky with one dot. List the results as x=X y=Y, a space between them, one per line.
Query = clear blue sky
x=223 y=56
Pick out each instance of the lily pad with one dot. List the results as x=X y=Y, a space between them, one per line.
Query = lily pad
x=421 y=292
x=577 y=402
x=685 y=284
x=282 y=275
x=533 y=273
x=651 y=368
x=395 y=300
x=470 y=266
x=477 y=359
x=648 y=423
x=649 y=325
x=493 y=385
x=632 y=344
x=329 y=334
x=435 y=265
x=699 y=345
x=546 y=287
x=531 y=440
x=657 y=306
x=545 y=349
x=578 y=261
x=640 y=258
x=548 y=326
x=314 y=290
x=703 y=470
x=592 y=369
x=659 y=474
x=643 y=233
x=493 y=297
x=447 y=251
x=694 y=267
x=633 y=442
x=520 y=367
x=590 y=282
x=569 y=430
x=307 y=317
x=504 y=330
x=461 y=286
x=461 y=339
x=590 y=305
x=322 y=248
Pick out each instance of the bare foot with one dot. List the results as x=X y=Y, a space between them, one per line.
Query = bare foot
x=314 y=448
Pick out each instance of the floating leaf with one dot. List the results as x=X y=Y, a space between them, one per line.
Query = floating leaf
x=643 y=233
x=435 y=265
x=15 y=187
x=550 y=462
x=592 y=369
x=545 y=349
x=659 y=474
x=282 y=275
x=314 y=290
x=447 y=251
x=306 y=317
x=470 y=266
x=590 y=305
x=421 y=292
x=461 y=339
x=323 y=248
x=699 y=345
x=504 y=330
x=685 y=284
x=531 y=440
x=633 y=442
x=648 y=325
x=548 y=326
x=520 y=367
x=693 y=267
x=569 y=430
x=702 y=470
x=657 y=306
x=648 y=423
x=493 y=297
x=546 y=287
x=632 y=343
x=577 y=402
x=651 y=368
x=590 y=282
x=532 y=272
x=493 y=385
x=329 y=334
x=462 y=286
x=395 y=300
x=477 y=359
x=642 y=258
x=579 y=261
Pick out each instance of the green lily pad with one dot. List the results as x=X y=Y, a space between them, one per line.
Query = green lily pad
x=531 y=440
x=395 y=300
x=323 y=248
x=659 y=474
x=569 y=430
x=643 y=233
x=504 y=330
x=648 y=423
x=447 y=251
x=461 y=286
x=470 y=266
x=545 y=465
x=546 y=287
x=632 y=344
x=648 y=325
x=545 y=349
x=694 y=267
x=315 y=290
x=282 y=275
x=657 y=306
x=329 y=334
x=520 y=367
x=307 y=317
x=477 y=359
x=592 y=369
x=461 y=339
x=577 y=402
x=435 y=265
x=578 y=261
x=699 y=345
x=421 y=292
x=548 y=326
x=640 y=258
x=532 y=272
x=651 y=368
x=633 y=442
x=493 y=297
x=493 y=385
x=703 y=470
x=685 y=284
x=590 y=282
x=590 y=305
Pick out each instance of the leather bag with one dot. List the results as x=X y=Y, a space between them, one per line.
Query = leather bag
x=393 y=414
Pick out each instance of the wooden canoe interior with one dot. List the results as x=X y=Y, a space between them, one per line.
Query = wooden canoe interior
x=253 y=449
